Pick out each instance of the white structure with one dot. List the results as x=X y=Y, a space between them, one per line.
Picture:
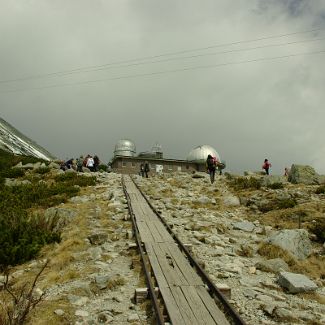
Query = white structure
x=125 y=148
x=200 y=153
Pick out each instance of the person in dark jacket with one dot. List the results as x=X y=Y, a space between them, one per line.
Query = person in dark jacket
x=146 y=168
x=211 y=167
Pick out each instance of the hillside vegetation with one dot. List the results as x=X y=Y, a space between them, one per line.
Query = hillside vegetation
x=23 y=229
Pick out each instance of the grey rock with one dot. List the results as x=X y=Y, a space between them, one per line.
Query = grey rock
x=274 y=265
x=78 y=301
x=57 y=218
x=302 y=174
x=133 y=318
x=283 y=313
x=295 y=241
x=80 y=199
x=85 y=170
x=101 y=281
x=104 y=318
x=98 y=239
x=28 y=166
x=16 y=182
x=272 y=179
x=249 y=293
x=268 y=308
x=296 y=283
x=81 y=313
x=59 y=312
x=231 y=200
x=244 y=225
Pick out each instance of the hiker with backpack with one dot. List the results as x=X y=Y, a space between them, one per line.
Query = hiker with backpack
x=266 y=166
x=96 y=163
x=211 y=164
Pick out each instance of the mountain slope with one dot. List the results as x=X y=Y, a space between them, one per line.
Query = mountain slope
x=14 y=141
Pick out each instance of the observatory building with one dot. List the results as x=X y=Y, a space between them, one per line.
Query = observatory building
x=125 y=160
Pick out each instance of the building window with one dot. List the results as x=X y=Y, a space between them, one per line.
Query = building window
x=123 y=164
x=133 y=164
x=170 y=167
x=187 y=167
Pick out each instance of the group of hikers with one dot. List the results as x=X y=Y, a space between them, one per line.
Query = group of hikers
x=90 y=162
x=212 y=164
x=144 y=169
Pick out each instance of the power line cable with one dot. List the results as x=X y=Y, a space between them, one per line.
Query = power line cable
x=79 y=70
x=166 y=72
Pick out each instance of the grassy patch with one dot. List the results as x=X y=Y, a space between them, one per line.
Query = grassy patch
x=275 y=186
x=271 y=251
x=243 y=183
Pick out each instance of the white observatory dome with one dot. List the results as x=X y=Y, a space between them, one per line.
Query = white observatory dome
x=125 y=148
x=200 y=153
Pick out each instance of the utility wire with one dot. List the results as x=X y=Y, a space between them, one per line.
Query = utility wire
x=99 y=67
x=166 y=71
x=193 y=56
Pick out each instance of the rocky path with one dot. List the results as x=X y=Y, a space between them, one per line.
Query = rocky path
x=211 y=219
x=94 y=271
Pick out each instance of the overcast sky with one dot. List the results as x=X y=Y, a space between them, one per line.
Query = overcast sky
x=203 y=90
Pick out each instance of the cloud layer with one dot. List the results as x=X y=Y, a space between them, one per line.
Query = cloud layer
x=247 y=111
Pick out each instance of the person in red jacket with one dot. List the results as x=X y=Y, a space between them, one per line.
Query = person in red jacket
x=266 y=166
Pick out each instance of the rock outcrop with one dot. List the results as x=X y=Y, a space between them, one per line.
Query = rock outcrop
x=301 y=174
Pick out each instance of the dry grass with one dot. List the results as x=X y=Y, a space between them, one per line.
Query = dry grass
x=115 y=282
x=246 y=251
x=312 y=296
x=313 y=266
x=44 y=314
x=272 y=251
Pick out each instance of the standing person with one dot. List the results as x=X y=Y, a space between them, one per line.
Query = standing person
x=146 y=168
x=96 y=163
x=286 y=172
x=142 y=169
x=266 y=166
x=90 y=163
x=80 y=164
x=211 y=167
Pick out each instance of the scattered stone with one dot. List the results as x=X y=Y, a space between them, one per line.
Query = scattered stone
x=244 y=226
x=59 y=312
x=133 y=318
x=98 y=239
x=295 y=241
x=231 y=200
x=296 y=283
x=57 y=218
x=81 y=313
x=101 y=281
x=274 y=265
x=283 y=313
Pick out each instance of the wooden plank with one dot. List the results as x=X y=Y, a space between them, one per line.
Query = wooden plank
x=211 y=306
x=197 y=306
x=168 y=267
x=144 y=232
x=183 y=264
x=165 y=235
x=158 y=273
x=184 y=307
x=173 y=311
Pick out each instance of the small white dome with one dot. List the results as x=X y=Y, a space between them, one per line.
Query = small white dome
x=125 y=147
x=200 y=153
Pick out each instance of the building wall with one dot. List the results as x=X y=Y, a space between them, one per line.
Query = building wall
x=132 y=165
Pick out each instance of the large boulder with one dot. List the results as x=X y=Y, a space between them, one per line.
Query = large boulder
x=296 y=283
x=274 y=265
x=272 y=179
x=295 y=241
x=301 y=174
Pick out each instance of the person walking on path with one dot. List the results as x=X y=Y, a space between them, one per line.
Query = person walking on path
x=142 y=169
x=266 y=166
x=146 y=168
x=211 y=167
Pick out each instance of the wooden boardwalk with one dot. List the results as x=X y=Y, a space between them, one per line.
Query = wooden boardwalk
x=186 y=299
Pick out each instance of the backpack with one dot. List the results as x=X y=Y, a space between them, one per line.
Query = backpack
x=211 y=163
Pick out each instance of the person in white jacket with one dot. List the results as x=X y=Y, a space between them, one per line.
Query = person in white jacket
x=90 y=163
